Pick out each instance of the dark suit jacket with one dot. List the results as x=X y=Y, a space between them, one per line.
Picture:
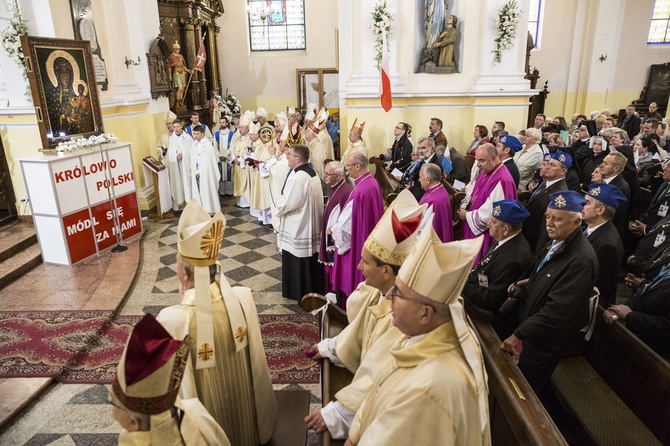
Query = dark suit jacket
x=662 y=197
x=460 y=171
x=401 y=154
x=650 y=318
x=416 y=188
x=534 y=228
x=513 y=170
x=609 y=250
x=632 y=126
x=440 y=139
x=555 y=300
x=620 y=219
x=501 y=267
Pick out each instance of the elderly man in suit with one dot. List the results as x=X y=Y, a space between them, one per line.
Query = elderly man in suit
x=602 y=200
x=553 y=171
x=507 y=259
x=554 y=298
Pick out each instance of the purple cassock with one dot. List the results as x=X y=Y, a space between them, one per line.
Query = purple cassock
x=367 y=208
x=339 y=194
x=489 y=187
x=438 y=200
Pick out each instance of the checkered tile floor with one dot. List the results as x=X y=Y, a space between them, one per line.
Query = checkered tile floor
x=80 y=415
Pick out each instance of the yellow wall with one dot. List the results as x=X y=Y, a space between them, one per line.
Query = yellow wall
x=457 y=113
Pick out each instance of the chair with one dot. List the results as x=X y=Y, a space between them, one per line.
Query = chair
x=470 y=161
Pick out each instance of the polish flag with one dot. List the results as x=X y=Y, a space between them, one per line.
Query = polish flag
x=385 y=81
x=201 y=57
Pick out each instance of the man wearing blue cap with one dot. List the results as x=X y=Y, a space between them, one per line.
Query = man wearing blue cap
x=602 y=200
x=505 y=261
x=507 y=146
x=553 y=170
x=555 y=297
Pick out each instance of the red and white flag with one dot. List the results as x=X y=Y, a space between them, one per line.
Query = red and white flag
x=385 y=81
x=201 y=58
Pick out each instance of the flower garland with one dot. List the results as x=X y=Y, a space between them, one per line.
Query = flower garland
x=506 y=24
x=11 y=42
x=228 y=106
x=81 y=143
x=381 y=21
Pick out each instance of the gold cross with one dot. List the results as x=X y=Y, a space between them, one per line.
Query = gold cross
x=205 y=352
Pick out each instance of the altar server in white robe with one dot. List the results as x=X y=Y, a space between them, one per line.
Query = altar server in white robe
x=180 y=143
x=202 y=183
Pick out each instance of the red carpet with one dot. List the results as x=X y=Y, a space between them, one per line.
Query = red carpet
x=84 y=346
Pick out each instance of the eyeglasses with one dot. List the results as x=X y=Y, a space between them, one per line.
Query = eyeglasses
x=352 y=164
x=399 y=128
x=330 y=174
x=395 y=293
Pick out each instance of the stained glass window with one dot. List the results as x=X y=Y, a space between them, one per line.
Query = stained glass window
x=276 y=25
x=659 y=29
x=534 y=16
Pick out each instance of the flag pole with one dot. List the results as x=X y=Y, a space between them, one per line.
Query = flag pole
x=188 y=84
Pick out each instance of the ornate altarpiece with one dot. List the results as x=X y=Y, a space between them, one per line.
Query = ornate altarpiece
x=187 y=21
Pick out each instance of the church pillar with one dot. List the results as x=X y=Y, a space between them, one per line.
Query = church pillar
x=478 y=93
x=600 y=23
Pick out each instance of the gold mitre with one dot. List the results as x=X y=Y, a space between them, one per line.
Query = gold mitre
x=199 y=235
x=148 y=376
x=290 y=111
x=395 y=234
x=261 y=112
x=358 y=128
x=439 y=270
x=319 y=122
x=199 y=238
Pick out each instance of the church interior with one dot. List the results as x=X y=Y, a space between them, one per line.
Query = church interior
x=567 y=57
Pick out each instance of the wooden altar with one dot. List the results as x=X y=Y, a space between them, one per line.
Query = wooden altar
x=188 y=22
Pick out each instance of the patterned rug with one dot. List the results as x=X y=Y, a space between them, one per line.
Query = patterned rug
x=84 y=347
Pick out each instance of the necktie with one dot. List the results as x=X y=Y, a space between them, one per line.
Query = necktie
x=539 y=190
x=549 y=255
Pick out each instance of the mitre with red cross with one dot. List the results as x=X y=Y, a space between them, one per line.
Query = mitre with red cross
x=395 y=234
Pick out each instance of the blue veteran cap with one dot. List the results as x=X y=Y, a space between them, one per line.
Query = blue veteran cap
x=567 y=200
x=510 y=141
x=510 y=211
x=561 y=157
x=608 y=194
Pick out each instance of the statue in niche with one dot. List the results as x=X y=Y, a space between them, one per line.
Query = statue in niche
x=439 y=57
x=445 y=44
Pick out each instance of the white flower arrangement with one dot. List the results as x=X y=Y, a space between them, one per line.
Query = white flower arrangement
x=506 y=24
x=81 y=143
x=228 y=106
x=10 y=36
x=381 y=21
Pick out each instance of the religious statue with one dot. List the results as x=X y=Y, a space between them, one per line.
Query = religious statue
x=446 y=43
x=438 y=54
x=435 y=12
x=178 y=70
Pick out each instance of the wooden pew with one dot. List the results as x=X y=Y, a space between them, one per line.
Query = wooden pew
x=619 y=389
x=333 y=378
x=517 y=417
x=292 y=407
